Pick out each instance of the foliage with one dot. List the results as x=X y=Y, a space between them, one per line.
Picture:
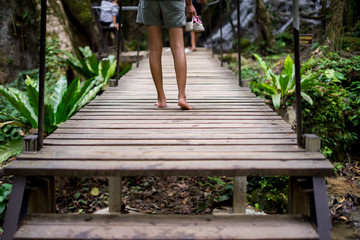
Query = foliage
x=280 y=87
x=88 y=66
x=54 y=65
x=268 y=194
x=133 y=45
x=5 y=190
x=10 y=149
x=59 y=106
x=334 y=117
x=10 y=116
x=219 y=192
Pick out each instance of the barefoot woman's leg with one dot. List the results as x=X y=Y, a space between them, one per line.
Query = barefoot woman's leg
x=155 y=46
x=178 y=51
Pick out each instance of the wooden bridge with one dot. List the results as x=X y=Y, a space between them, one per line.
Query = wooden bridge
x=229 y=132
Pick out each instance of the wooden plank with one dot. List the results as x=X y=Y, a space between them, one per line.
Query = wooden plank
x=211 y=117
x=181 y=136
x=166 y=227
x=170 y=168
x=211 y=127
x=190 y=130
x=167 y=142
x=106 y=153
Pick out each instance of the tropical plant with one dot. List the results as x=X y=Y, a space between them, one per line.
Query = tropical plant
x=59 y=106
x=5 y=190
x=280 y=87
x=88 y=66
x=269 y=194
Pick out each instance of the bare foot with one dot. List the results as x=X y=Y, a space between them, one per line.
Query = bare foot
x=184 y=105
x=160 y=105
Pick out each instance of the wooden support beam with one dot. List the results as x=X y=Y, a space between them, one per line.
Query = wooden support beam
x=239 y=198
x=115 y=194
x=298 y=197
x=113 y=83
x=312 y=143
x=30 y=143
x=42 y=198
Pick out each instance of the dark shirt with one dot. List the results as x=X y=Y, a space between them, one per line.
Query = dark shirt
x=197 y=6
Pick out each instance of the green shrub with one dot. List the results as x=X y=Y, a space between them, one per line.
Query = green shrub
x=268 y=194
x=280 y=88
x=5 y=190
x=64 y=101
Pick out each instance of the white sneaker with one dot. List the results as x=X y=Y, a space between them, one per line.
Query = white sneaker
x=189 y=25
x=197 y=25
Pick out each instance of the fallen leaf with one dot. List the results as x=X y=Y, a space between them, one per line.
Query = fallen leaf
x=95 y=191
x=344 y=218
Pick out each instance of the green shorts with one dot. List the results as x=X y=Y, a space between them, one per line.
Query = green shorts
x=165 y=13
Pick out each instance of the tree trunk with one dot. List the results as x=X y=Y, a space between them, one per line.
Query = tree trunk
x=264 y=25
x=334 y=27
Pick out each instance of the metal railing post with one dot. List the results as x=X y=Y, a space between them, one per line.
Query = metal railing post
x=297 y=72
x=42 y=75
x=118 y=42
x=221 y=25
x=239 y=42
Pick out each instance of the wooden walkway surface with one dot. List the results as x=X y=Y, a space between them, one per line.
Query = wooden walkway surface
x=228 y=132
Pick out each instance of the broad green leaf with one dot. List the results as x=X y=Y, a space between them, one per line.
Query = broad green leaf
x=288 y=66
x=128 y=68
x=104 y=68
x=13 y=123
x=224 y=197
x=112 y=59
x=306 y=66
x=276 y=98
x=63 y=110
x=59 y=91
x=307 y=97
x=32 y=89
x=86 y=51
x=49 y=119
x=261 y=62
x=10 y=149
x=21 y=102
x=83 y=92
x=330 y=73
x=111 y=73
x=217 y=180
x=274 y=79
x=93 y=64
x=269 y=89
x=77 y=195
x=89 y=96
x=2 y=208
x=284 y=83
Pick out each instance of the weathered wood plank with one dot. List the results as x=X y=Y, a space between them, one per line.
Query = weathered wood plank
x=173 y=128
x=181 y=136
x=168 y=142
x=167 y=227
x=299 y=168
x=193 y=153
